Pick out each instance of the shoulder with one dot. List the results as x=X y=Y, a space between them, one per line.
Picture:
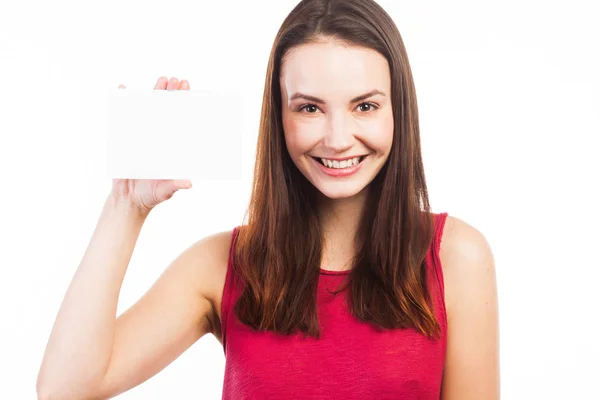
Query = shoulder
x=467 y=260
x=212 y=253
x=460 y=236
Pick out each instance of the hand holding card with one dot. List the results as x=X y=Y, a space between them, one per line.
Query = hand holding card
x=145 y=194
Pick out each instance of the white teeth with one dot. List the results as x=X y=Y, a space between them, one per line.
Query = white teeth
x=341 y=164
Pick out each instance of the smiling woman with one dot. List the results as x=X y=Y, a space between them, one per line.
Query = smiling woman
x=340 y=206
x=342 y=285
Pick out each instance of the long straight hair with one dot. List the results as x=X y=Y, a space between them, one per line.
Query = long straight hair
x=277 y=254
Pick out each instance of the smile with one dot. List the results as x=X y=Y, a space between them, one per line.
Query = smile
x=339 y=168
x=346 y=163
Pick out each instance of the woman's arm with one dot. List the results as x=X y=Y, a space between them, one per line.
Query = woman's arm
x=91 y=353
x=472 y=368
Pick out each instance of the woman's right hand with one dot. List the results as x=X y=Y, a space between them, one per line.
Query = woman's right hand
x=146 y=194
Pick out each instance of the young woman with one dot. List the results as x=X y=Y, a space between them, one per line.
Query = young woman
x=342 y=284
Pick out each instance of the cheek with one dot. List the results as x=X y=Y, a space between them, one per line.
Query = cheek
x=300 y=136
x=387 y=132
x=381 y=133
x=289 y=133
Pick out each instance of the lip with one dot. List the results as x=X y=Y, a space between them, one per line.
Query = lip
x=341 y=158
x=339 y=173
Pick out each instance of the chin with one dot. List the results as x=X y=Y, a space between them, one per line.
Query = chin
x=341 y=190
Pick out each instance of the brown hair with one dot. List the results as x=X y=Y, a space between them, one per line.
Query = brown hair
x=278 y=252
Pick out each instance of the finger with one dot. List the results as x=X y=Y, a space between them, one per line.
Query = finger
x=121 y=86
x=161 y=83
x=182 y=184
x=184 y=85
x=173 y=84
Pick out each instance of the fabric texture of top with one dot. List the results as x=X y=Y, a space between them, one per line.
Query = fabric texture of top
x=351 y=360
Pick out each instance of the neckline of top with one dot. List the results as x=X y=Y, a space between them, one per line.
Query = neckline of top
x=329 y=272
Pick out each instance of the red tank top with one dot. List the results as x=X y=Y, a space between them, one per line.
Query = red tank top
x=350 y=361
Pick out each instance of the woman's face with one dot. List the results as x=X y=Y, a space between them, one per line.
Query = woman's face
x=337 y=115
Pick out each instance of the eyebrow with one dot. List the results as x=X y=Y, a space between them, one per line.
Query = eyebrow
x=354 y=100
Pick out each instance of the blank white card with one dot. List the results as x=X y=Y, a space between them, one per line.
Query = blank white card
x=180 y=134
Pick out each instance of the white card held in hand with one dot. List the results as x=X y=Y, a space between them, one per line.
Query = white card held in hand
x=178 y=134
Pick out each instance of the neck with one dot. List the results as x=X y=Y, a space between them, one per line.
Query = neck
x=339 y=221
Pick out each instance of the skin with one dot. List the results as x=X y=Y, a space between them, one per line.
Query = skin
x=184 y=304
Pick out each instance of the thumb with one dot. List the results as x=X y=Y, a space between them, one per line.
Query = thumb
x=166 y=190
x=182 y=184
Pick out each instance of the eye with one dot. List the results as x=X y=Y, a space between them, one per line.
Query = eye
x=310 y=108
x=369 y=106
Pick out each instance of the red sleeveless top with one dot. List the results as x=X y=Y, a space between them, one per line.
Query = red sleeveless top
x=350 y=361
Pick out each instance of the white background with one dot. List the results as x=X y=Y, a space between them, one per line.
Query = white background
x=508 y=101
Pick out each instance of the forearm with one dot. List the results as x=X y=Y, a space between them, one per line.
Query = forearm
x=79 y=348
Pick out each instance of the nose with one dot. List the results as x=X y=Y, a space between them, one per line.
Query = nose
x=338 y=136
